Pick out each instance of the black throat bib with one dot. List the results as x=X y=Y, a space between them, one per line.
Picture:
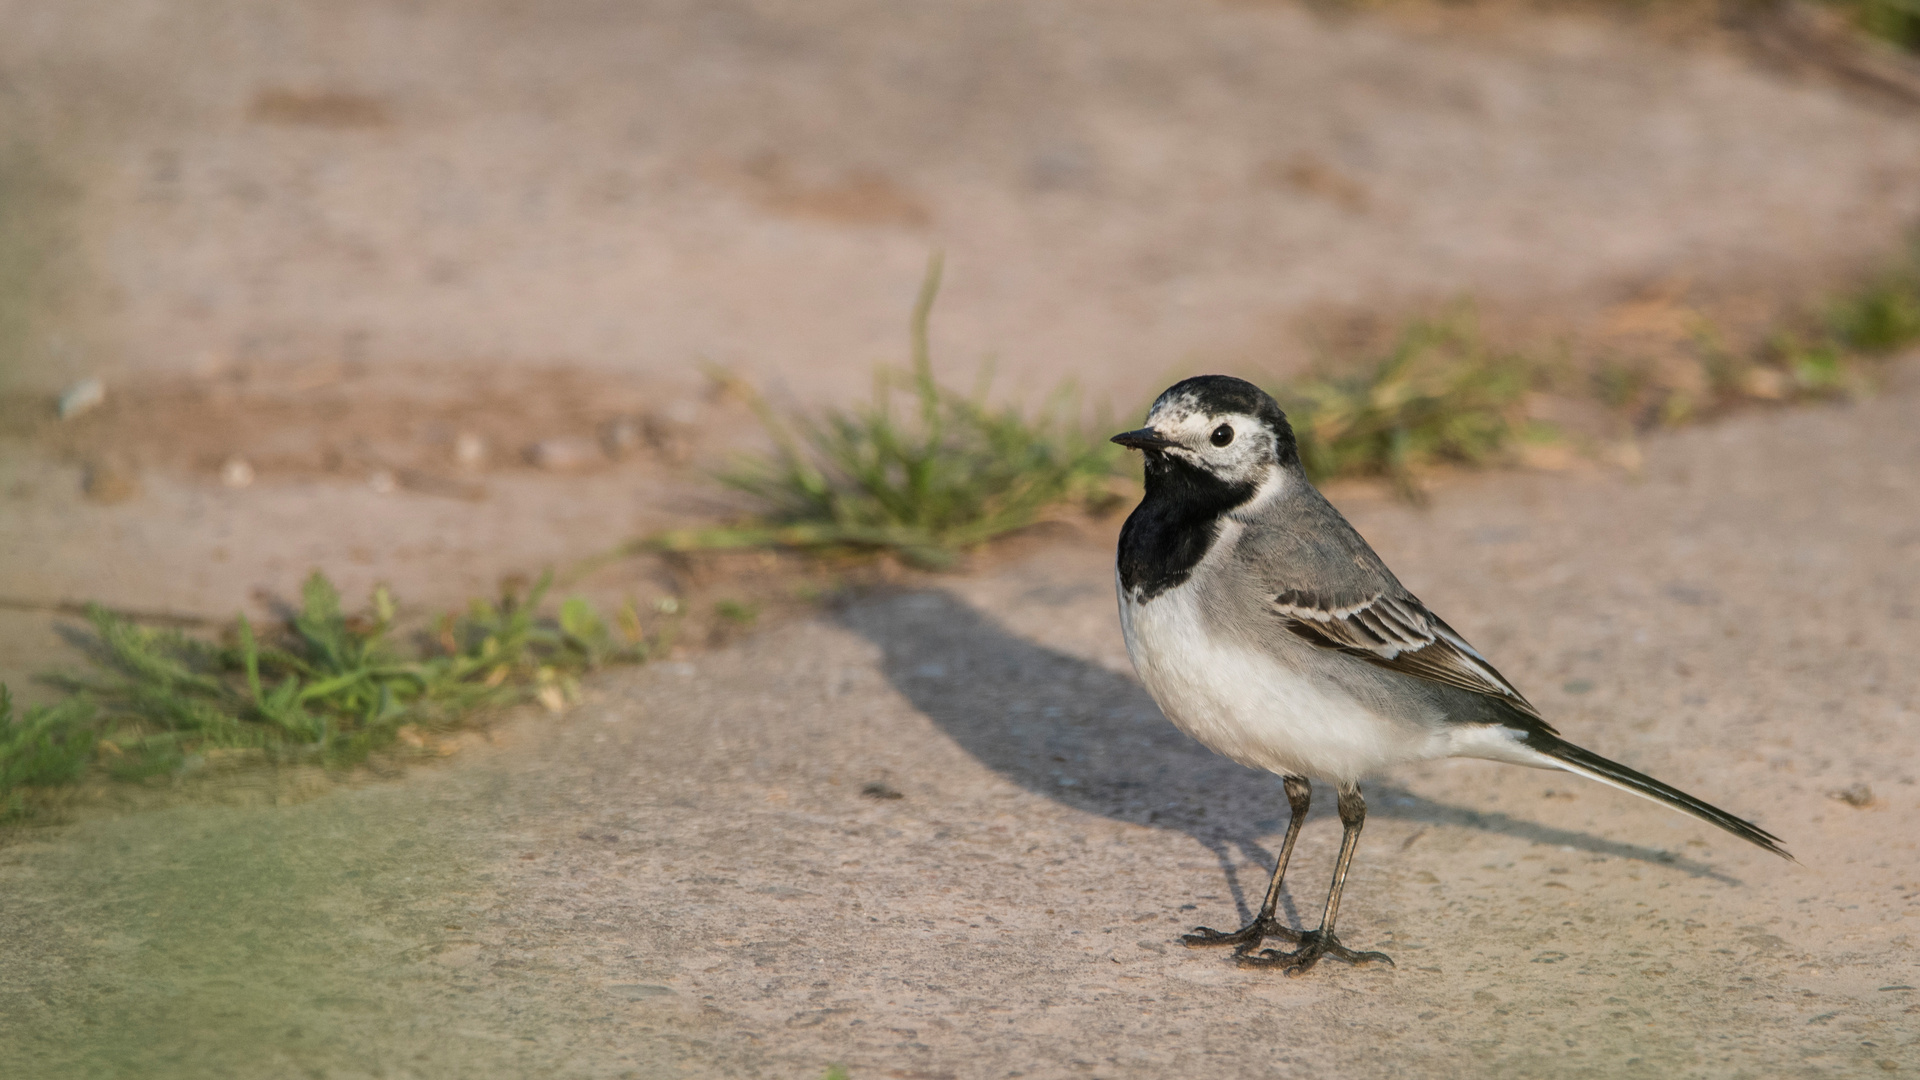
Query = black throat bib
x=1168 y=534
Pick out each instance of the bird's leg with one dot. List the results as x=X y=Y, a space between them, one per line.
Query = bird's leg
x=1264 y=925
x=1315 y=944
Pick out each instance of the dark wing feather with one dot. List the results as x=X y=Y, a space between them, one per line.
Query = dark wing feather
x=1397 y=633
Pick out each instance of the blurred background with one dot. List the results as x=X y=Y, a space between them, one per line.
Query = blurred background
x=364 y=284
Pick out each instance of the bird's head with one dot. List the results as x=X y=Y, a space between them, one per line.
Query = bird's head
x=1225 y=429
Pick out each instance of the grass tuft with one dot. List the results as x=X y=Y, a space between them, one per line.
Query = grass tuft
x=328 y=686
x=737 y=612
x=1896 y=22
x=1883 y=315
x=1831 y=352
x=1440 y=394
x=45 y=746
x=947 y=472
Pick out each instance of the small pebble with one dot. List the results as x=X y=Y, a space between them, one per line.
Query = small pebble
x=682 y=411
x=1855 y=794
x=1768 y=384
x=564 y=453
x=671 y=431
x=109 y=481
x=469 y=450
x=81 y=397
x=621 y=436
x=237 y=472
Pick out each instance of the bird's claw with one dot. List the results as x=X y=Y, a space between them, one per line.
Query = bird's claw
x=1313 y=946
x=1243 y=939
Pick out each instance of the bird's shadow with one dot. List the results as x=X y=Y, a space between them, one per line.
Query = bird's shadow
x=1093 y=739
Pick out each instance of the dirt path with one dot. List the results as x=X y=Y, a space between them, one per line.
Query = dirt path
x=1120 y=188
x=683 y=877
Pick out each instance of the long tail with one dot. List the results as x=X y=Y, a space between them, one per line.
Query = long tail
x=1594 y=767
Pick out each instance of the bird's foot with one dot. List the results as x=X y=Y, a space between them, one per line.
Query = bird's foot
x=1313 y=945
x=1244 y=939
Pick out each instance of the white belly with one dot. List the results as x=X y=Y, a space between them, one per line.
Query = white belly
x=1243 y=703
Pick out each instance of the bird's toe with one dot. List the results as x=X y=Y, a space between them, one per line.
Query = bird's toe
x=1314 y=945
x=1245 y=938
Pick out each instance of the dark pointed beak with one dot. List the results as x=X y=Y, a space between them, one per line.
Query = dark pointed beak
x=1144 y=439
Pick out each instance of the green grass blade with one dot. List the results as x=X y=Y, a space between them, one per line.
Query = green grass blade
x=250 y=656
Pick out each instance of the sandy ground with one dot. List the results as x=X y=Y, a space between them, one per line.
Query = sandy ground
x=1123 y=189
x=683 y=876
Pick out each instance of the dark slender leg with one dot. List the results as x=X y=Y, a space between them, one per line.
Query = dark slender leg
x=1315 y=944
x=1264 y=925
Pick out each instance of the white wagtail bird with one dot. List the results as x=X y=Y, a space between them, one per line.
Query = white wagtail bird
x=1266 y=628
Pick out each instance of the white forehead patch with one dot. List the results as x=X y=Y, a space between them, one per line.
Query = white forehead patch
x=1183 y=420
x=1173 y=408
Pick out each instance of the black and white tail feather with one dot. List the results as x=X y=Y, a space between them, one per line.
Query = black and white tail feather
x=1586 y=763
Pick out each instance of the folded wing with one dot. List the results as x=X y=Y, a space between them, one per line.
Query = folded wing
x=1397 y=632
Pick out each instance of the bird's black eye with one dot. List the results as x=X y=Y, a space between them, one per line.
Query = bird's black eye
x=1222 y=435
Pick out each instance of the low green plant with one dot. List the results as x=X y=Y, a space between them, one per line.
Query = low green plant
x=1830 y=352
x=327 y=686
x=1620 y=384
x=737 y=612
x=44 y=746
x=1883 y=314
x=1896 y=22
x=1439 y=394
x=1814 y=369
x=948 y=472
